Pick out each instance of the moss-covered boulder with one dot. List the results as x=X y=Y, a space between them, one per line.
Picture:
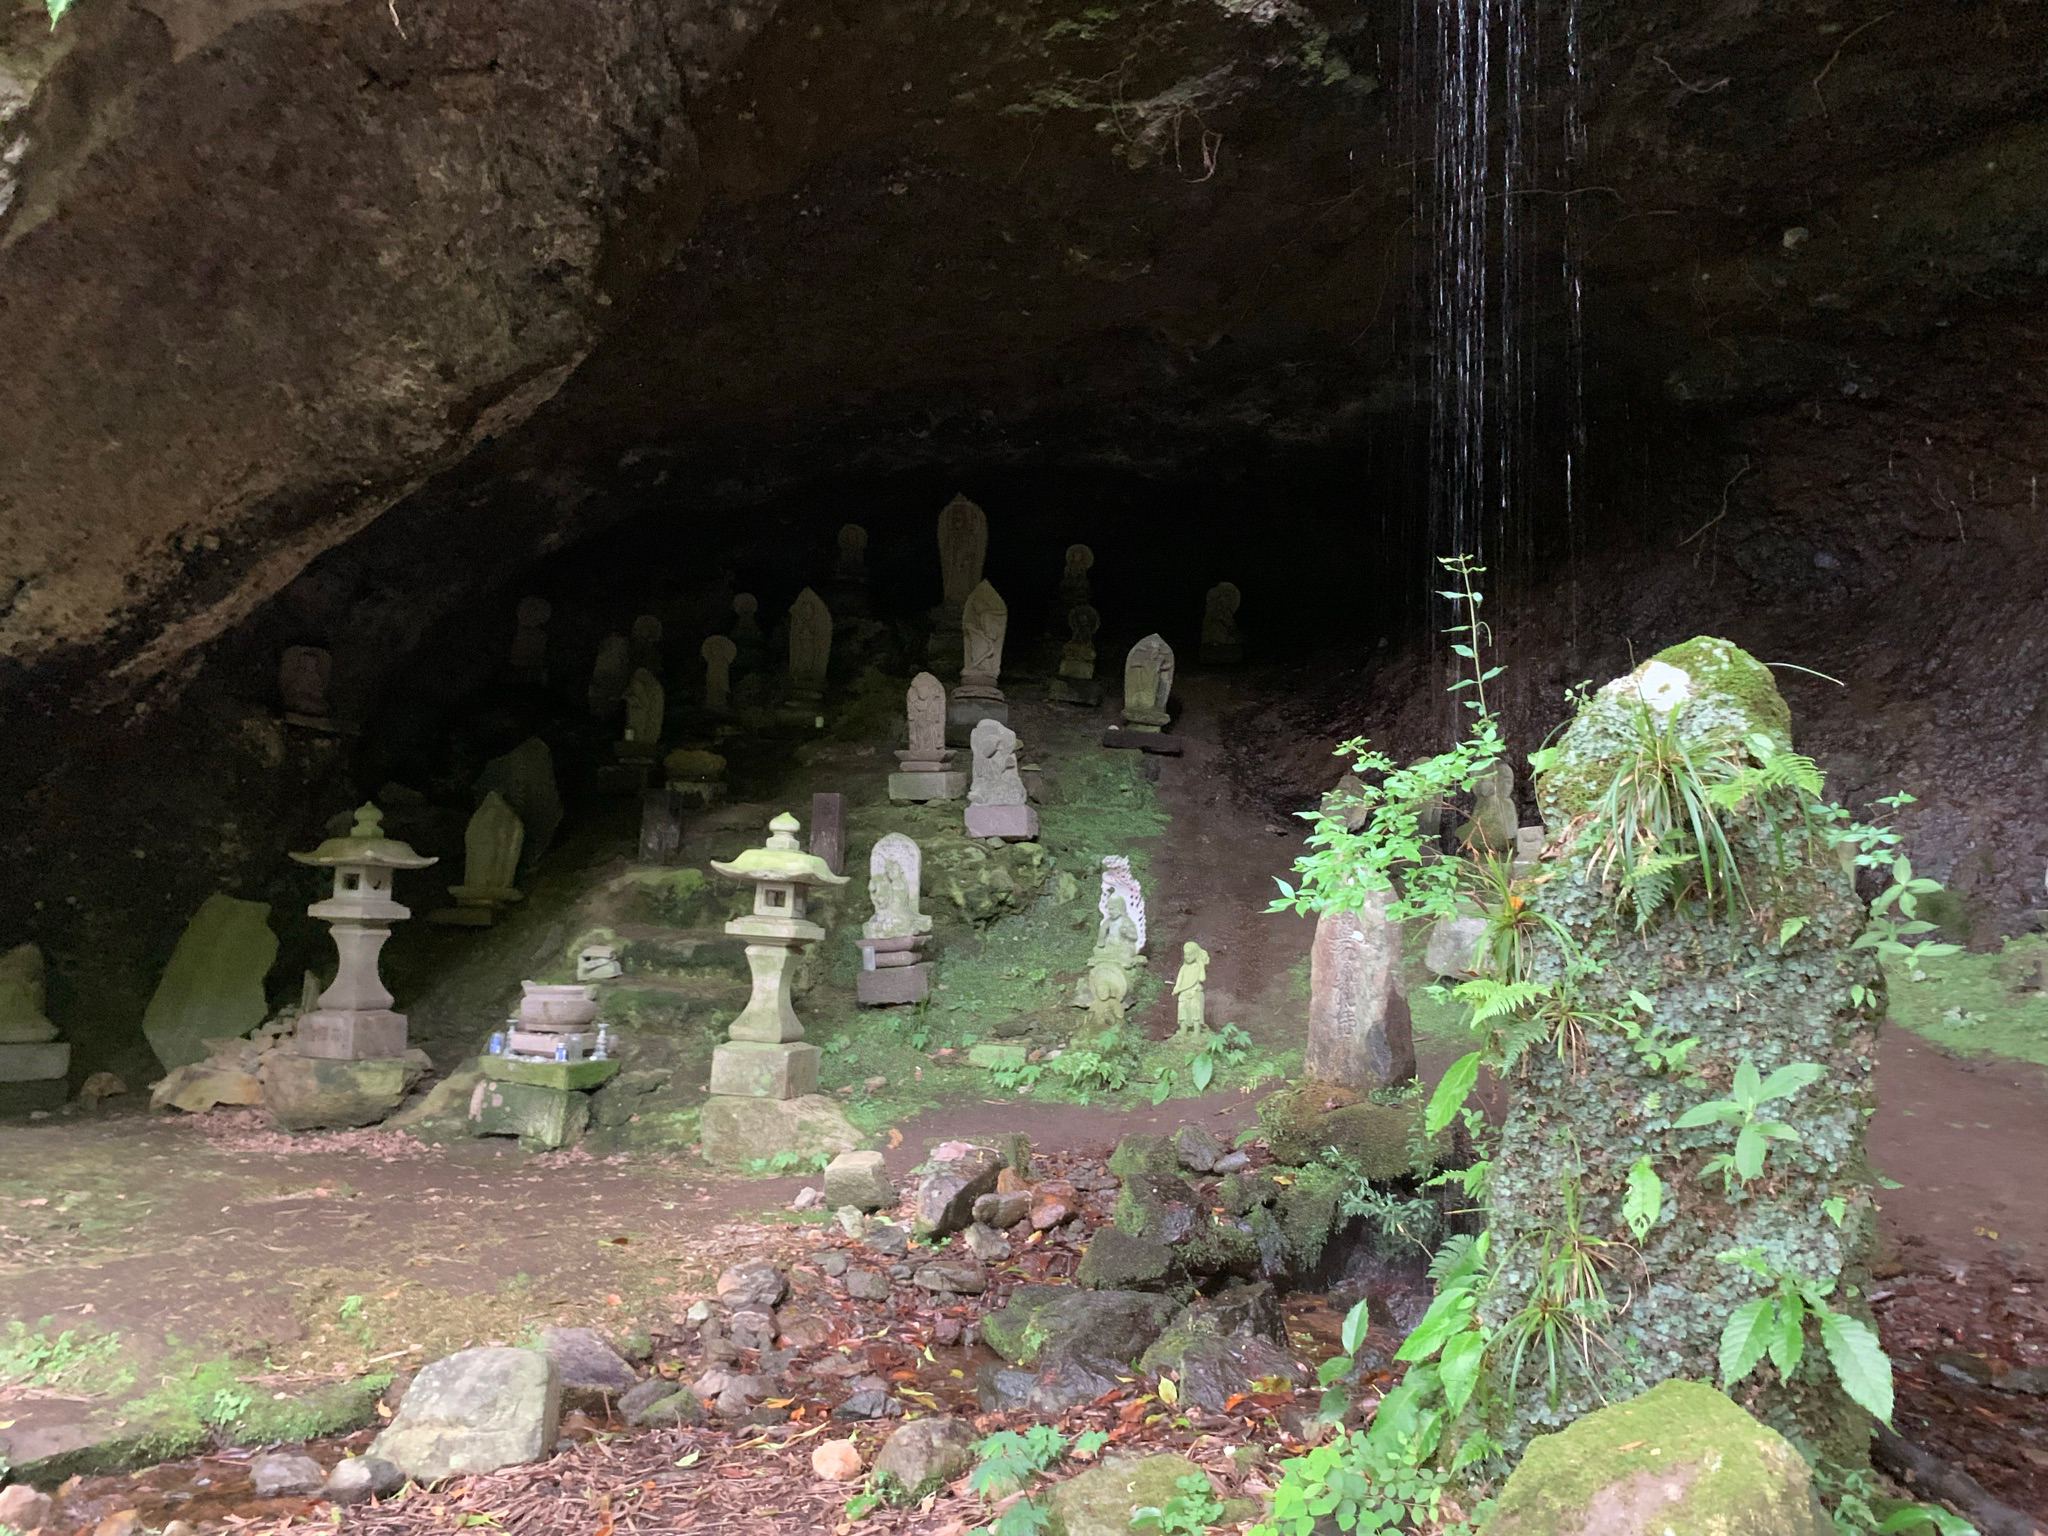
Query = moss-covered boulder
x=1145 y=1153
x=1101 y=1501
x=1117 y=1261
x=1040 y=1321
x=1681 y=1458
x=1308 y=1121
x=1758 y=984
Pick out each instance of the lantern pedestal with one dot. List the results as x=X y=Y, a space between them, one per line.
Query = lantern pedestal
x=353 y=1019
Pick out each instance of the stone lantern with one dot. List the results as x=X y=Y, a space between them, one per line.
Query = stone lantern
x=764 y=1056
x=353 y=1020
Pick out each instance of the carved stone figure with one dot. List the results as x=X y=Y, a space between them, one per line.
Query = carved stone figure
x=1148 y=683
x=853 y=553
x=1190 y=990
x=645 y=702
x=1221 y=644
x=1076 y=683
x=996 y=802
x=891 y=972
x=718 y=652
x=1120 y=883
x=610 y=675
x=926 y=769
x=303 y=672
x=984 y=621
x=963 y=545
x=746 y=609
x=647 y=643
x=810 y=647
x=1359 y=1032
x=1491 y=831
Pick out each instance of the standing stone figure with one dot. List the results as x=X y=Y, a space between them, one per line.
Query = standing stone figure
x=853 y=554
x=1120 y=885
x=1076 y=681
x=891 y=972
x=303 y=673
x=1359 y=1033
x=647 y=643
x=1148 y=683
x=530 y=640
x=610 y=675
x=1221 y=643
x=1074 y=579
x=963 y=545
x=644 y=708
x=996 y=802
x=810 y=648
x=490 y=864
x=925 y=770
x=1490 y=834
x=34 y=1063
x=746 y=622
x=984 y=621
x=1113 y=963
x=718 y=652
x=1190 y=1001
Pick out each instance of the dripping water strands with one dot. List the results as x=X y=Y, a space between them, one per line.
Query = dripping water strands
x=1494 y=107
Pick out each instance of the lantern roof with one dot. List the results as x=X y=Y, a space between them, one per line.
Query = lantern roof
x=366 y=844
x=781 y=860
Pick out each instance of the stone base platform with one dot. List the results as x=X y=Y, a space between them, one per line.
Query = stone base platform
x=1017 y=823
x=568 y=1076
x=736 y=1131
x=542 y=1118
x=306 y=1093
x=891 y=984
x=914 y=787
x=35 y=1061
x=339 y=1036
x=754 y=1069
x=1143 y=741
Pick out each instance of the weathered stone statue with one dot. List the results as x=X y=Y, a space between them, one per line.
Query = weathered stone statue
x=810 y=648
x=996 y=801
x=1190 y=988
x=645 y=704
x=984 y=621
x=1074 y=591
x=1120 y=884
x=610 y=675
x=963 y=544
x=34 y=1063
x=490 y=866
x=525 y=776
x=530 y=639
x=1359 y=1032
x=718 y=652
x=303 y=673
x=926 y=769
x=746 y=620
x=853 y=554
x=646 y=643
x=1148 y=683
x=1491 y=832
x=1221 y=644
x=1112 y=964
x=1076 y=683
x=891 y=971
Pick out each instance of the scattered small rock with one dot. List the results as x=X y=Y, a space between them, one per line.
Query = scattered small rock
x=922 y=1457
x=22 y=1508
x=279 y=1476
x=869 y=1404
x=946 y=1330
x=808 y=1199
x=866 y=1285
x=987 y=1244
x=358 y=1479
x=837 y=1461
x=1197 y=1150
x=586 y=1360
x=475 y=1411
x=888 y=1239
x=950 y=1277
x=851 y=1220
x=1003 y=1208
x=753 y=1328
x=800 y=1330
x=753 y=1283
x=956 y=1174
x=858 y=1180
x=832 y=1264
x=1232 y=1162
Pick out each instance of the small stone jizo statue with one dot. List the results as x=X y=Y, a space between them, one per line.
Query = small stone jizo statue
x=1189 y=988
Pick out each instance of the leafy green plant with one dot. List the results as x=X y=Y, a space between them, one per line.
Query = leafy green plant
x=1025 y=1517
x=1344 y=869
x=1190 y=1512
x=1361 y=1484
x=226 y=1406
x=1009 y=1459
x=30 y=1358
x=1774 y=1325
x=1743 y=1110
x=1566 y=1312
x=861 y=1505
x=56 y=8
x=1861 y=1508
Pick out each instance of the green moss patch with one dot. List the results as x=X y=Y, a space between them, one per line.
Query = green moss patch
x=1978 y=1004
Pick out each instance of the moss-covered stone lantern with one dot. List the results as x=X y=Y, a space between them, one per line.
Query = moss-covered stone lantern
x=764 y=1056
x=353 y=1020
